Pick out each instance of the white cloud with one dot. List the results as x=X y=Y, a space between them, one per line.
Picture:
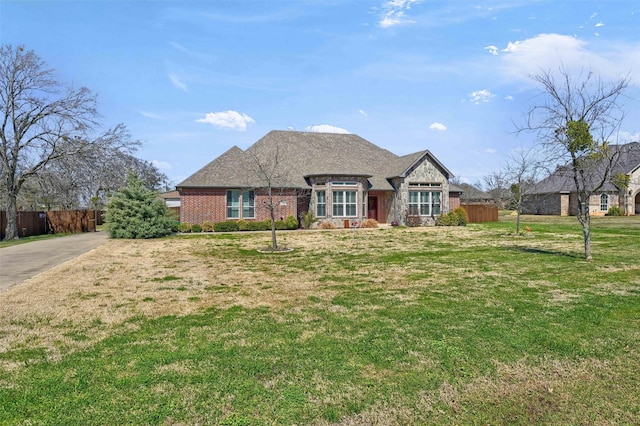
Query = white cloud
x=438 y=126
x=227 y=120
x=490 y=151
x=151 y=115
x=480 y=96
x=625 y=137
x=363 y=113
x=549 y=52
x=327 y=128
x=161 y=165
x=492 y=49
x=177 y=83
x=508 y=98
x=600 y=24
x=394 y=13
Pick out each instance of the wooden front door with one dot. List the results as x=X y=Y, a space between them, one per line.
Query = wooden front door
x=372 y=208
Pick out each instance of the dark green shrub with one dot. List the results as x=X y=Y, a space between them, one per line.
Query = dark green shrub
x=291 y=222
x=614 y=211
x=137 y=212
x=207 y=226
x=196 y=227
x=243 y=225
x=228 y=226
x=184 y=227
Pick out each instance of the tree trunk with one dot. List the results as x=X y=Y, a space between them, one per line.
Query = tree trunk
x=518 y=222
x=11 y=231
x=585 y=220
x=272 y=212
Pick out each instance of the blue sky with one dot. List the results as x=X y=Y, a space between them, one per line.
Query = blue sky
x=192 y=79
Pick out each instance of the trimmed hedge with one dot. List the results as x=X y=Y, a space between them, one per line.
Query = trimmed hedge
x=228 y=226
x=245 y=225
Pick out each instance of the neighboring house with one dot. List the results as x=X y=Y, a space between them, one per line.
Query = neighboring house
x=556 y=194
x=472 y=195
x=341 y=178
x=172 y=200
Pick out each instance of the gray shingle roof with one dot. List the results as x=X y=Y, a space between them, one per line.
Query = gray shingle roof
x=304 y=154
x=561 y=180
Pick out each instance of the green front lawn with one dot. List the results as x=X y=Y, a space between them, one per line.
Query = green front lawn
x=399 y=326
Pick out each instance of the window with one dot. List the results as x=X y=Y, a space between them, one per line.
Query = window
x=424 y=203
x=236 y=198
x=321 y=204
x=345 y=203
x=248 y=205
x=604 y=203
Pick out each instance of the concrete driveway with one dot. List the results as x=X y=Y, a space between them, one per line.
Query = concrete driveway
x=17 y=263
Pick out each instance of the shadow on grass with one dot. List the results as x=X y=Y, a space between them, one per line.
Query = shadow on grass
x=533 y=250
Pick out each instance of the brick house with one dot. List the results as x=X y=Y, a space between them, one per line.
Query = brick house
x=556 y=194
x=341 y=178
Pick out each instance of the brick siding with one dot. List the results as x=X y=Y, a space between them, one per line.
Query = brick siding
x=210 y=204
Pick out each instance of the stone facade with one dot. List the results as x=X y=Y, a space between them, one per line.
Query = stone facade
x=425 y=172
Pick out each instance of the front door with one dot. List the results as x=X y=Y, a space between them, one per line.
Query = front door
x=372 y=208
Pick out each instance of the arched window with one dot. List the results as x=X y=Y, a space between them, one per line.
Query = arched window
x=604 y=202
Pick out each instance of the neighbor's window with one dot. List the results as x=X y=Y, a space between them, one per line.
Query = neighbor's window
x=235 y=198
x=424 y=203
x=321 y=204
x=345 y=203
x=604 y=203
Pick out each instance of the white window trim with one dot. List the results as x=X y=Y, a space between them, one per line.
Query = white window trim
x=344 y=203
x=241 y=204
x=605 y=198
x=323 y=204
x=429 y=202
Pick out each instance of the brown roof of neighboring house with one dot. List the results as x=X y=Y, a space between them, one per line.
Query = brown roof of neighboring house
x=303 y=154
x=170 y=194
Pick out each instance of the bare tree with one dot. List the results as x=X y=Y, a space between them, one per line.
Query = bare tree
x=496 y=186
x=40 y=122
x=266 y=167
x=520 y=176
x=576 y=120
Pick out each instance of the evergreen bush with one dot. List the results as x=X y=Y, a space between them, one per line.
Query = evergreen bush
x=196 y=227
x=227 y=226
x=137 y=212
x=207 y=226
x=291 y=222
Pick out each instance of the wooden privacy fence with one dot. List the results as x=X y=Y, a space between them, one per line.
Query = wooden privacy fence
x=32 y=223
x=478 y=213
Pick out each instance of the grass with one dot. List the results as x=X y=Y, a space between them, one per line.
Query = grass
x=394 y=326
